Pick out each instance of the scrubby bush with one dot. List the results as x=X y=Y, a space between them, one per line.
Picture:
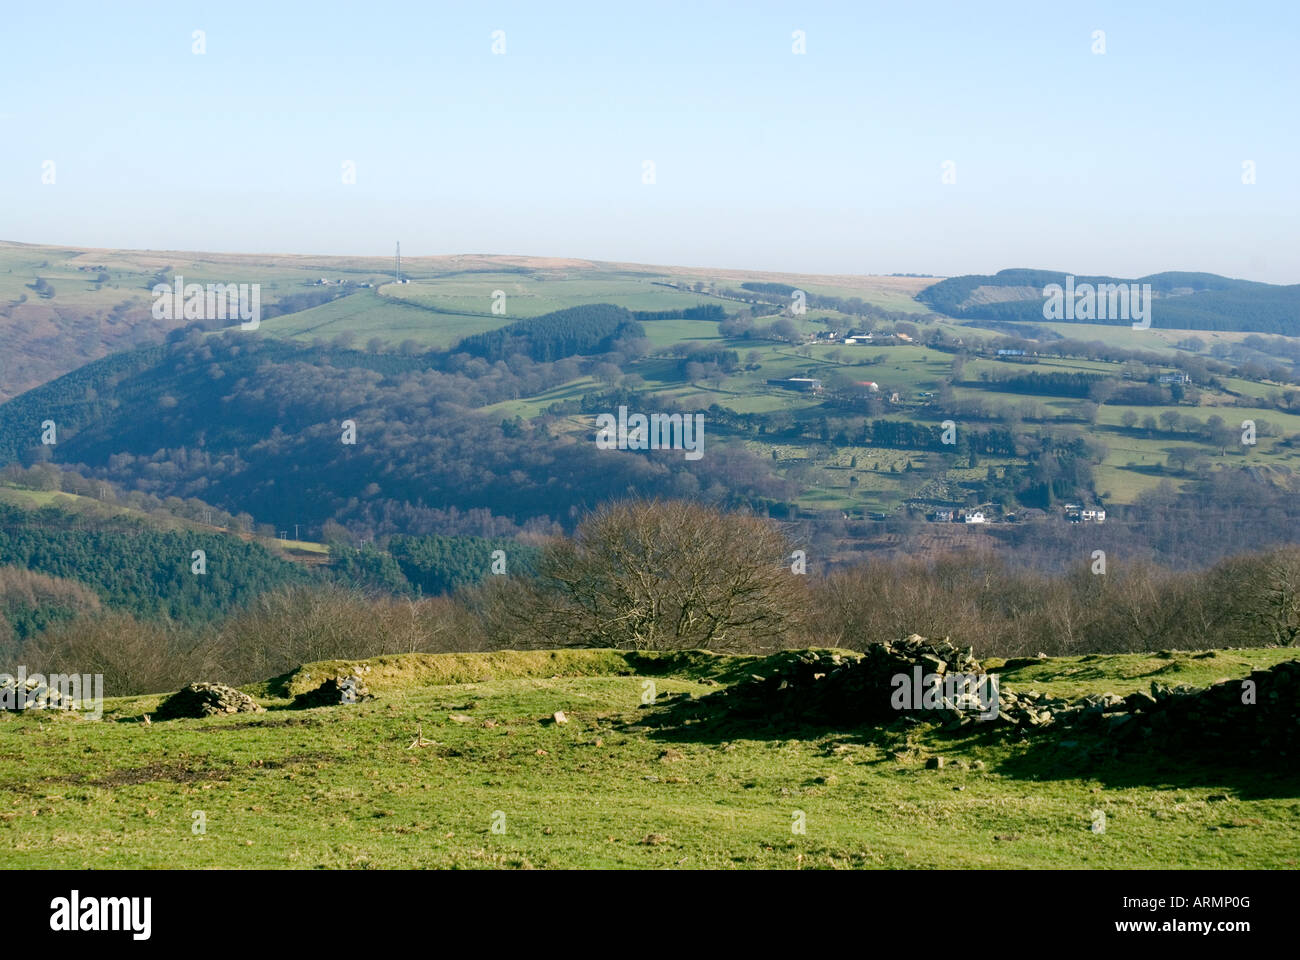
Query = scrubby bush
x=134 y=656
x=663 y=575
x=296 y=625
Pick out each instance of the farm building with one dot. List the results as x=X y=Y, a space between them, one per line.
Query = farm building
x=1078 y=514
x=804 y=384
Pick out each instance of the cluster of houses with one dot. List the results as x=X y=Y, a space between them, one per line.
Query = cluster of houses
x=1074 y=513
x=861 y=339
x=944 y=515
x=326 y=281
x=1077 y=513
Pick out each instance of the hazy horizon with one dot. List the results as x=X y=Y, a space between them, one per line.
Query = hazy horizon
x=408 y=257
x=1127 y=162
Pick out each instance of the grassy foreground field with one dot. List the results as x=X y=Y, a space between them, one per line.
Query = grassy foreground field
x=500 y=784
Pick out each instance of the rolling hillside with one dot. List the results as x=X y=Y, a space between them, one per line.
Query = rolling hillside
x=1182 y=301
x=471 y=421
x=61 y=307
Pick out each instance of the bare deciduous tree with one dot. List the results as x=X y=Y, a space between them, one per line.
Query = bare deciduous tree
x=1270 y=599
x=656 y=575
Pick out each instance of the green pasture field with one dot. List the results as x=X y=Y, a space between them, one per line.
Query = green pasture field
x=459 y=763
x=28 y=499
x=1155 y=338
x=533 y=295
x=367 y=314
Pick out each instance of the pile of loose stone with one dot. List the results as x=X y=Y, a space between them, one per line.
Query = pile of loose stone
x=216 y=699
x=333 y=692
x=35 y=695
x=206 y=700
x=1260 y=713
x=821 y=686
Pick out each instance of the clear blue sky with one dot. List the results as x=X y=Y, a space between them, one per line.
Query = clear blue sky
x=1125 y=163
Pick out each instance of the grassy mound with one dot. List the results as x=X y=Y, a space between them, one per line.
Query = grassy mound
x=406 y=671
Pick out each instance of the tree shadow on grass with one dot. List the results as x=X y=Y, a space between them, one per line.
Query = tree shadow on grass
x=707 y=720
x=1052 y=757
x=1042 y=756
